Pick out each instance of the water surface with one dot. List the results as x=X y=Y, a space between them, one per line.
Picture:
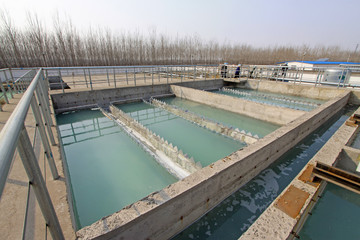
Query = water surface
x=107 y=169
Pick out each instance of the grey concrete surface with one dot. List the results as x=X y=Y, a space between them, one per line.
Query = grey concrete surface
x=273 y=114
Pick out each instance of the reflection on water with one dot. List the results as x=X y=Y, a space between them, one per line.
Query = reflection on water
x=235 y=214
x=335 y=216
x=107 y=169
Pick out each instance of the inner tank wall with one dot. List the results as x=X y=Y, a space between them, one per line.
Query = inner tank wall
x=63 y=102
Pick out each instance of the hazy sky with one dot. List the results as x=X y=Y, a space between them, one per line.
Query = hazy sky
x=257 y=22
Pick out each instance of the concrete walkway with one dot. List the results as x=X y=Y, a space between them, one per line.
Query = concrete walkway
x=13 y=200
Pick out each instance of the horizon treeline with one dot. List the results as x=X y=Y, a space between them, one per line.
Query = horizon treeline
x=64 y=45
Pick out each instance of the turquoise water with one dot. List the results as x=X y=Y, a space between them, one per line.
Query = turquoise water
x=235 y=214
x=268 y=98
x=356 y=141
x=335 y=216
x=107 y=170
x=255 y=126
x=201 y=144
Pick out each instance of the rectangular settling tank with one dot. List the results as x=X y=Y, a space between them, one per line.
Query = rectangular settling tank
x=203 y=145
x=107 y=169
x=229 y=119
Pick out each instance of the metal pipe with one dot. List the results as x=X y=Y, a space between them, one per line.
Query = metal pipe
x=33 y=171
x=11 y=131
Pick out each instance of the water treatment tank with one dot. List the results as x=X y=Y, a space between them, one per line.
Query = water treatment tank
x=336 y=75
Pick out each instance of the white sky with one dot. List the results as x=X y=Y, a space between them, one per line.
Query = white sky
x=256 y=22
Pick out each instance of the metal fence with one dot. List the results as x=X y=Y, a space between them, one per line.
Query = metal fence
x=14 y=135
x=119 y=76
x=342 y=76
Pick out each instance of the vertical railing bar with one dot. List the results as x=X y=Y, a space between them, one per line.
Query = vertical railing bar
x=85 y=78
x=127 y=78
x=44 y=139
x=90 y=81
x=61 y=82
x=26 y=211
x=107 y=74
x=45 y=115
x=45 y=97
x=33 y=171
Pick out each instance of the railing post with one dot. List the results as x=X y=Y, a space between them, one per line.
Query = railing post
x=13 y=81
x=171 y=70
x=47 y=84
x=144 y=77
x=127 y=79
x=46 y=115
x=194 y=73
x=134 y=77
x=91 y=87
x=152 y=76
x=44 y=139
x=158 y=71
x=107 y=74
x=114 y=77
x=8 y=84
x=45 y=94
x=85 y=78
x=61 y=82
x=167 y=75
x=36 y=179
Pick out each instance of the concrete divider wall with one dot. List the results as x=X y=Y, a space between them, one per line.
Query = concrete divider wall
x=171 y=151
x=273 y=114
x=213 y=126
x=63 y=102
x=163 y=214
x=309 y=91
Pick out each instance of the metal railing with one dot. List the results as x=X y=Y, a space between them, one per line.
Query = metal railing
x=118 y=76
x=14 y=136
x=342 y=76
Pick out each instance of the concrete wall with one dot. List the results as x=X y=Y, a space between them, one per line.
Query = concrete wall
x=163 y=214
x=273 y=114
x=63 y=102
x=309 y=91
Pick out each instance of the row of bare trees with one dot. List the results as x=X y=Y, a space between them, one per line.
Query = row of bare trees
x=64 y=45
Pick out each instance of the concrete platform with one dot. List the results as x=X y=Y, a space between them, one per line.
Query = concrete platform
x=13 y=200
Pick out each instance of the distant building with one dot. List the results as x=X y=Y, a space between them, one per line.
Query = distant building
x=314 y=64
